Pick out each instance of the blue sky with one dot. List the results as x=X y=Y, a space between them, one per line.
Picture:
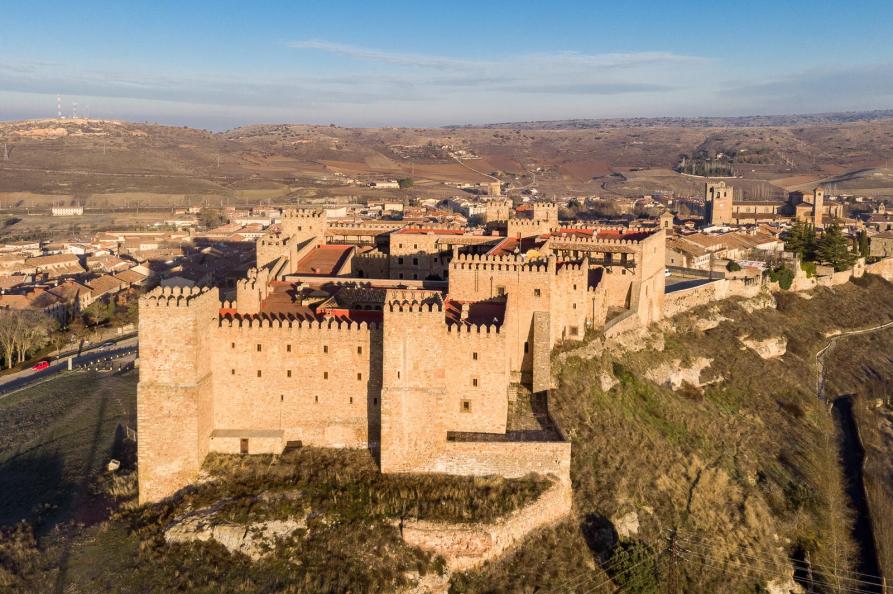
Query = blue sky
x=222 y=64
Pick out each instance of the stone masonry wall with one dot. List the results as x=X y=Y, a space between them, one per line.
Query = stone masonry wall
x=466 y=546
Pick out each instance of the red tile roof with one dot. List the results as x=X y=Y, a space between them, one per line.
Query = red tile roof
x=324 y=260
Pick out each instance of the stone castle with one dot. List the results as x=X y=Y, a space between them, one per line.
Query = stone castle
x=430 y=346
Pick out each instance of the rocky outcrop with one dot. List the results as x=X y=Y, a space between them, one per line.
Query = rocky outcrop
x=254 y=540
x=673 y=375
x=769 y=348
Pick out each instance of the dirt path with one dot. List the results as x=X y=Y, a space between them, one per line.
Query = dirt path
x=852 y=459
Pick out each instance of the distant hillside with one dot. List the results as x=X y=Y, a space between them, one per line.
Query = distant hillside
x=697 y=122
x=115 y=163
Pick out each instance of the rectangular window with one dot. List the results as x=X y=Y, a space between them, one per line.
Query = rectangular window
x=500 y=291
x=466 y=406
x=526 y=347
x=360 y=376
x=243 y=446
x=288 y=348
x=258 y=348
x=325 y=348
x=474 y=382
x=359 y=350
x=232 y=345
x=351 y=399
x=288 y=373
x=415 y=261
x=399 y=260
x=537 y=293
x=258 y=373
x=232 y=372
x=474 y=356
x=325 y=375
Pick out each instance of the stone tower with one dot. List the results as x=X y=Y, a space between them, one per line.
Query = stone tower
x=718 y=202
x=414 y=379
x=174 y=411
x=818 y=206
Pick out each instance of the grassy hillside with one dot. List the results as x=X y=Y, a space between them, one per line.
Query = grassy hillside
x=712 y=488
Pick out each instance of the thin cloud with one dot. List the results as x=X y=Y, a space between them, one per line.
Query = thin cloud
x=610 y=60
x=375 y=55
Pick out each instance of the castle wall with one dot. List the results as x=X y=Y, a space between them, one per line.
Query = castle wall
x=466 y=546
x=318 y=384
x=479 y=278
x=418 y=256
x=478 y=378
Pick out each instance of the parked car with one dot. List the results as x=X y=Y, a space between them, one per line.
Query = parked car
x=40 y=366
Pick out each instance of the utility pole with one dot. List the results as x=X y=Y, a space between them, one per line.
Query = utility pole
x=5 y=152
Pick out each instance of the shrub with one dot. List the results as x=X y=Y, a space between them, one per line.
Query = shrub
x=782 y=275
x=733 y=266
x=808 y=268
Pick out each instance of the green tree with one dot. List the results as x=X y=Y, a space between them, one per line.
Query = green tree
x=802 y=241
x=733 y=266
x=864 y=244
x=833 y=249
x=405 y=182
x=210 y=218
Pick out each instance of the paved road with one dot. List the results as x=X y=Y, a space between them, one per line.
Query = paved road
x=123 y=350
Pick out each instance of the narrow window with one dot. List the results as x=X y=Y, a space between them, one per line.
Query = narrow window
x=359 y=350
x=646 y=292
x=232 y=372
x=526 y=347
x=466 y=406
x=575 y=287
x=258 y=373
x=243 y=446
x=474 y=382
x=360 y=376
x=351 y=399
x=316 y=399
x=258 y=348
x=282 y=398
x=500 y=291
x=399 y=260
x=474 y=355
x=288 y=373
x=325 y=348
x=325 y=375
x=288 y=348
x=232 y=345
x=398 y=375
x=375 y=401
x=537 y=292
x=415 y=261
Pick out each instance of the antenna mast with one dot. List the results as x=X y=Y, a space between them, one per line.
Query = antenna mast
x=59 y=106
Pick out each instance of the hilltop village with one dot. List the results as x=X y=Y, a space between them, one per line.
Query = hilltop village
x=426 y=343
x=420 y=331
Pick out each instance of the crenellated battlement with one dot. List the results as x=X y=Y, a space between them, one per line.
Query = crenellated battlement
x=265 y=321
x=408 y=301
x=303 y=213
x=173 y=296
x=463 y=329
x=508 y=263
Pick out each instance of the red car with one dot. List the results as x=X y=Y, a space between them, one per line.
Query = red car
x=41 y=366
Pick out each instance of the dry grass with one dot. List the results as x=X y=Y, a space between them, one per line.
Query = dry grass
x=743 y=470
